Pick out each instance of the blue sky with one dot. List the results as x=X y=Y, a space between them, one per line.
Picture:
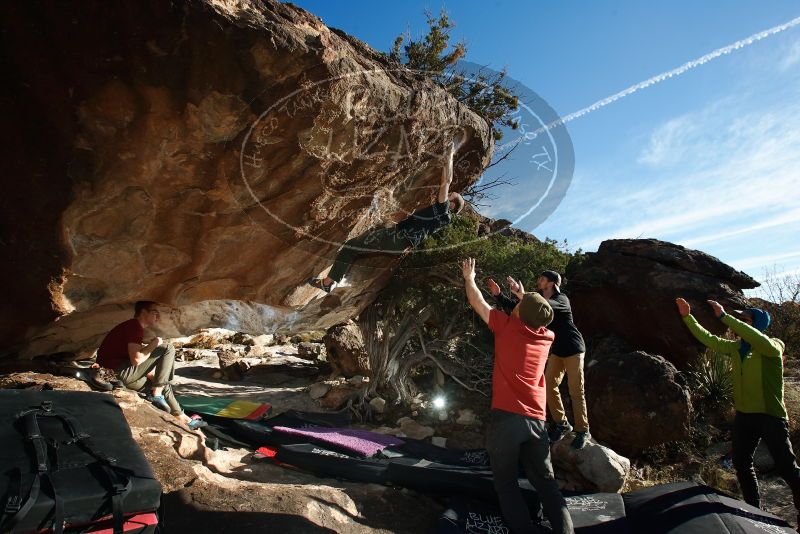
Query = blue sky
x=709 y=159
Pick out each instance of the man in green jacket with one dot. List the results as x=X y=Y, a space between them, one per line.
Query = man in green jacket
x=757 y=367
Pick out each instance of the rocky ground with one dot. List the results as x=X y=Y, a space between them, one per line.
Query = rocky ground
x=230 y=490
x=702 y=458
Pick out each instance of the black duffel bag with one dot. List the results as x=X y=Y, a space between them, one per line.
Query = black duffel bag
x=68 y=462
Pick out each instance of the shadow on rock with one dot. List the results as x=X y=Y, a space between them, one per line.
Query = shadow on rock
x=181 y=514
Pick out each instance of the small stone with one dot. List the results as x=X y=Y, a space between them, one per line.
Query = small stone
x=188 y=354
x=357 y=380
x=309 y=351
x=258 y=351
x=466 y=417
x=414 y=430
x=439 y=441
x=240 y=338
x=717 y=450
x=338 y=397
x=263 y=340
x=443 y=416
x=378 y=404
x=318 y=390
x=232 y=365
x=217 y=375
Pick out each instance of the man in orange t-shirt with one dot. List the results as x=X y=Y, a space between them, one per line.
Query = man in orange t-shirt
x=517 y=430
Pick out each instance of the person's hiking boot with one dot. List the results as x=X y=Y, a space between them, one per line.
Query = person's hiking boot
x=319 y=283
x=581 y=439
x=558 y=431
x=159 y=402
x=94 y=377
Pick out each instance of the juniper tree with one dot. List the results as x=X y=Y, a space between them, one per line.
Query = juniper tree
x=484 y=91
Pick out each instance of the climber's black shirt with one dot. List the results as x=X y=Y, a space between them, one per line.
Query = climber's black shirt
x=425 y=222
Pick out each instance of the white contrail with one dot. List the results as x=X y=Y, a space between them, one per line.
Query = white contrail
x=669 y=74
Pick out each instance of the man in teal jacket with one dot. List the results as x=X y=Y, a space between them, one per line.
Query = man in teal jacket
x=757 y=366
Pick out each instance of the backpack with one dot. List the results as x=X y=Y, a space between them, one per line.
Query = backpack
x=68 y=461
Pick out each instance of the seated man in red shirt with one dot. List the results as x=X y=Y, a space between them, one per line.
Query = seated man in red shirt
x=138 y=364
x=517 y=430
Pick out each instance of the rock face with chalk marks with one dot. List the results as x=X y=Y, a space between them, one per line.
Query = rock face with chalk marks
x=212 y=161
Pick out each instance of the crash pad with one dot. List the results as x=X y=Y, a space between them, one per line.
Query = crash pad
x=226 y=408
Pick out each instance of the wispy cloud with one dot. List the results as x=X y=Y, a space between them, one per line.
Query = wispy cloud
x=738 y=171
x=792 y=56
x=667 y=144
x=783 y=218
x=765 y=260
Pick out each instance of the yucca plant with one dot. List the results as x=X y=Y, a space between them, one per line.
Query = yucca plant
x=710 y=379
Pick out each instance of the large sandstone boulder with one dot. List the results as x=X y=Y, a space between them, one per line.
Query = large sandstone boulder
x=208 y=155
x=629 y=286
x=344 y=347
x=636 y=400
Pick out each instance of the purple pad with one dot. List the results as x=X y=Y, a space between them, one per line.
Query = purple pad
x=362 y=442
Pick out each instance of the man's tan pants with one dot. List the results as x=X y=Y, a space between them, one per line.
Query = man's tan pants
x=554 y=373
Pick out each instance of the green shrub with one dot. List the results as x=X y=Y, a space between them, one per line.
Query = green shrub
x=428 y=285
x=485 y=92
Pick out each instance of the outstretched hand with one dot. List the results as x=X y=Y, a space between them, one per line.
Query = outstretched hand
x=513 y=285
x=516 y=287
x=719 y=311
x=683 y=307
x=494 y=289
x=468 y=269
